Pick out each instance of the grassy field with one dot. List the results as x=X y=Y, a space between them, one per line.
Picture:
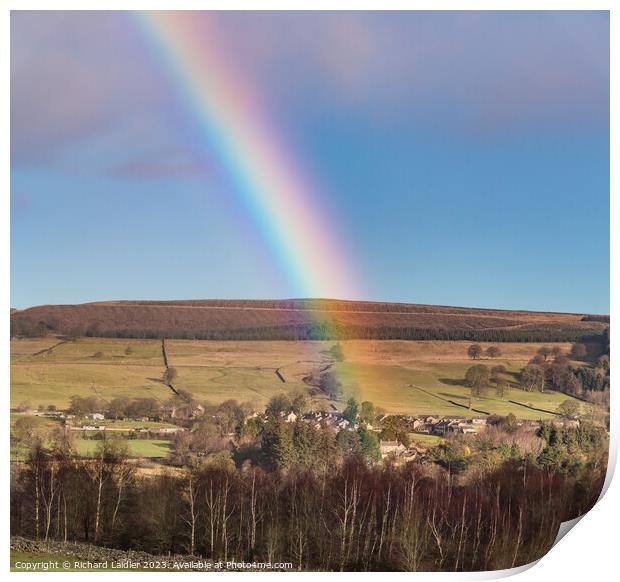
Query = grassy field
x=429 y=388
x=139 y=448
x=212 y=371
x=402 y=377
x=38 y=422
x=399 y=377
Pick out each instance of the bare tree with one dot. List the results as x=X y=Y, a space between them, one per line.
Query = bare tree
x=122 y=472
x=190 y=495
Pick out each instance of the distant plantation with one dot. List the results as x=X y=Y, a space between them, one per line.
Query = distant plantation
x=599 y=318
x=301 y=320
x=320 y=332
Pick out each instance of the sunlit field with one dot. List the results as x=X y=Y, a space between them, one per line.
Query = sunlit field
x=399 y=377
x=139 y=448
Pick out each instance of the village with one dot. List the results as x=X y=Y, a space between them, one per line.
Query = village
x=179 y=419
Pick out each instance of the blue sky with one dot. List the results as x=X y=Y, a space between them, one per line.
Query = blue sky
x=463 y=158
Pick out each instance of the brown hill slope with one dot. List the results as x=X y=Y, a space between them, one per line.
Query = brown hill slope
x=298 y=319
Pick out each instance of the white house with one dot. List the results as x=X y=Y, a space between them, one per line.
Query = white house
x=290 y=417
x=170 y=429
x=95 y=416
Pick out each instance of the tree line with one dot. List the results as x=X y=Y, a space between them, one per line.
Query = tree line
x=548 y=369
x=353 y=516
x=25 y=326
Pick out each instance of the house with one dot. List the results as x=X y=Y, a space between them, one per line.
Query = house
x=442 y=427
x=313 y=418
x=185 y=411
x=332 y=418
x=53 y=414
x=333 y=414
x=466 y=429
x=416 y=423
x=391 y=448
x=95 y=416
x=565 y=422
x=290 y=417
x=481 y=422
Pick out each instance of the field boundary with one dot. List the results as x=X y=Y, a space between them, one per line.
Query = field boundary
x=468 y=408
x=448 y=401
x=50 y=349
x=533 y=408
x=165 y=356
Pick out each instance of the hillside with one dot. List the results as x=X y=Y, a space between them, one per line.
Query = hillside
x=422 y=377
x=299 y=319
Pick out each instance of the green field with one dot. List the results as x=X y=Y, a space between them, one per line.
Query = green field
x=396 y=389
x=39 y=422
x=398 y=376
x=212 y=371
x=139 y=448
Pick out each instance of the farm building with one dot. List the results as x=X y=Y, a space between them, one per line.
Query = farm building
x=95 y=416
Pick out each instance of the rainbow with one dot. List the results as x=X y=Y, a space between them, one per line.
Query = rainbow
x=279 y=199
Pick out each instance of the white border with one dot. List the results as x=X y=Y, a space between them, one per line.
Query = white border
x=588 y=553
